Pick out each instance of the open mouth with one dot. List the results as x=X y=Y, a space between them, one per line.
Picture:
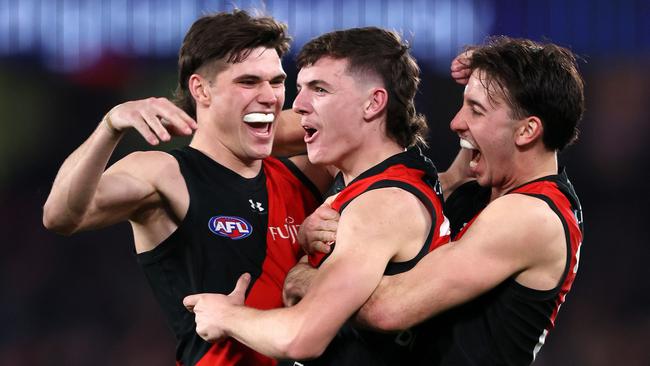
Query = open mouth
x=310 y=133
x=260 y=122
x=476 y=153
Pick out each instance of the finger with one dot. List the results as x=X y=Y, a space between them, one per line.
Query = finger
x=327 y=213
x=143 y=128
x=325 y=236
x=174 y=127
x=156 y=126
x=322 y=247
x=181 y=116
x=329 y=200
x=327 y=226
x=190 y=302
x=241 y=286
x=174 y=123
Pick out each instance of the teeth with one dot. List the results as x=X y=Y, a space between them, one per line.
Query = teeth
x=259 y=117
x=466 y=144
x=473 y=164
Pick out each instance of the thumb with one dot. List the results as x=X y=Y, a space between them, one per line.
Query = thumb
x=330 y=199
x=240 y=289
x=190 y=301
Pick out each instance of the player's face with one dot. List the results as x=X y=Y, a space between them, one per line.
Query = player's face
x=246 y=99
x=486 y=127
x=331 y=104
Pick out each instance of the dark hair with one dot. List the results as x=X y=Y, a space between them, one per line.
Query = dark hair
x=382 y=53
x=536 y=79
x=228 y=37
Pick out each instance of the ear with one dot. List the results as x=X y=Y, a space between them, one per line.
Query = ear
x=529 y=131
x=376 y=104
x=200 y=89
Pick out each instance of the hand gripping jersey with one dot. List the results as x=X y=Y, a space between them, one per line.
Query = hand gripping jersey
x=507 y=325
x=233 y=225
x=414 y=173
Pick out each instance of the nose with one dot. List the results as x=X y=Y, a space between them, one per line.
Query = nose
x=301 y=104
x=267 y=95
x=458 y=123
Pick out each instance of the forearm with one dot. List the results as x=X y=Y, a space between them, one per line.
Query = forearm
x=289 y=137
x=403 y=300
x=76 y=182
x=457 y=174
x=278 y=333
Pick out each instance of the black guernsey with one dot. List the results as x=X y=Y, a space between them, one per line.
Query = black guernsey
x=416 y=174
x=508 y=324
x=225 y=232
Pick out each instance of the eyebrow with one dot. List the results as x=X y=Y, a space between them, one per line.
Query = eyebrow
x=474 y=102
x=278 y=77
x=313 y=83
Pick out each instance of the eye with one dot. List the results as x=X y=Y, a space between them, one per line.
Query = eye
x=248 y=82
x=277 y=83
x=320 y=90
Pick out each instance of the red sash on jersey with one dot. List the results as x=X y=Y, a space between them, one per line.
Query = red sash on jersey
x=398 y=172
x=290 y=201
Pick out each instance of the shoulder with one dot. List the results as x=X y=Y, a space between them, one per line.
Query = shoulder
x=516 y=226
x=384 y=209
x=148 y=162
x=157 y=168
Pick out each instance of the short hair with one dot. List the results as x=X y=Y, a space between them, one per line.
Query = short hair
x=382 y=53
x=227 y=37
x=535 y=79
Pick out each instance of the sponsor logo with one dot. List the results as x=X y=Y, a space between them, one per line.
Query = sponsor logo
x=287 y=231
x=232 y=227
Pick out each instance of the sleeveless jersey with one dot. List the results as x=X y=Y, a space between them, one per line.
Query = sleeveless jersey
x=416 y=174
x=508 y=324
x=233 y=225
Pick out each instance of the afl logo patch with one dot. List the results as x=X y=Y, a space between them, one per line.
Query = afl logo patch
x=230 y=226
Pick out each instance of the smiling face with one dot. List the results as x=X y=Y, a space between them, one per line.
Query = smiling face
x=331 y=102
x=245 y=99
x=486 y=126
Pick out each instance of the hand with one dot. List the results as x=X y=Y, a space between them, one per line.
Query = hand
x=211 y=310
x=297 y=282
x=460 y=70
x=318 y=231
x=155 y=119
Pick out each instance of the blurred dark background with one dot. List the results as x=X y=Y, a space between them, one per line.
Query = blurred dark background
x=83 y=300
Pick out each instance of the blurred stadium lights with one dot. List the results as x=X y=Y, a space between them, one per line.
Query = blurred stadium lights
x=73 y=35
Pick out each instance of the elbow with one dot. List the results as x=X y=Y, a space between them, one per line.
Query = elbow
x=303 y=349
x=382 y=317
x=384 y=323
x=57 y=222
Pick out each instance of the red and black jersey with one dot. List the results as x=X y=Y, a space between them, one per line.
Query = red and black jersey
x=416 y=174
x=233 y=225
x=508 y=324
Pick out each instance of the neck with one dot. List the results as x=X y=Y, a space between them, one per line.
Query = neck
x=531 y=167
x=207 y=141
x=366 y=156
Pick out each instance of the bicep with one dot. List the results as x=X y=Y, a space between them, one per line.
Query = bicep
x=123 y=189
x=351 y=273
x=504 y=240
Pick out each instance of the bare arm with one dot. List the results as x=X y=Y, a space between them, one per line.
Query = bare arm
x=351 y=273
x=289 y=137
x=83 y=196
x=515 y=235
x=457 y=174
